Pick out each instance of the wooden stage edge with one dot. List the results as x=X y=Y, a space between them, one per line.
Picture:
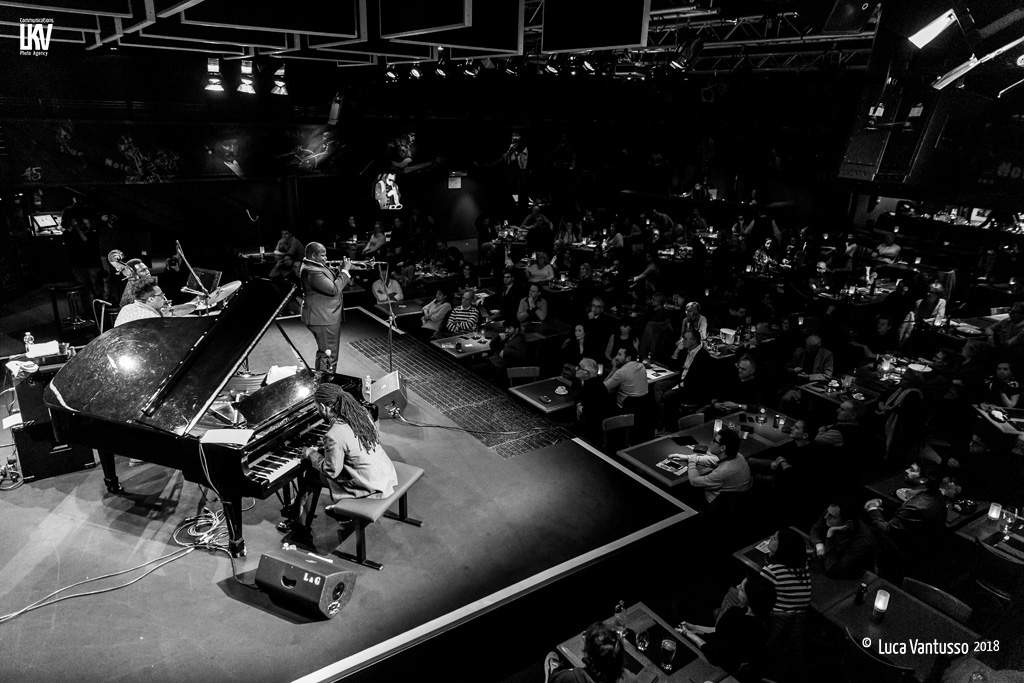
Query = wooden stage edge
x=377 y=653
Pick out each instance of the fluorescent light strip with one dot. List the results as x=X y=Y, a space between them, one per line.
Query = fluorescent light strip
x=933 y=29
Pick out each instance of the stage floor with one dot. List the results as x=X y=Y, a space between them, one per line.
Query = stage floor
x=494 y=530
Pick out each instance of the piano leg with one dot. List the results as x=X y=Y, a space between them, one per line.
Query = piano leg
x=233 y=515
x=110 y=472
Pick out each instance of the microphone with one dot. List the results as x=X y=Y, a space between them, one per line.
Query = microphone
x=101 y=301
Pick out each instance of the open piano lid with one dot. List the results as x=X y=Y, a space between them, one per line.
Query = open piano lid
x=165 y=372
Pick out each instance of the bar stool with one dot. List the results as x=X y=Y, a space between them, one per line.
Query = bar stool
x=72 y=291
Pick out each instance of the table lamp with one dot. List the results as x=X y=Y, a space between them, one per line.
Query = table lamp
x=881 y=605
x=995 y=511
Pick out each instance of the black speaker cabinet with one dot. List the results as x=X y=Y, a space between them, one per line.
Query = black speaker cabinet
x=305 y=582
x=42 y=456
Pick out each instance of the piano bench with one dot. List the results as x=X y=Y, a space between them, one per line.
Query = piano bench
x=366 y=511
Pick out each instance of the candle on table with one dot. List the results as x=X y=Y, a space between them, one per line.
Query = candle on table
x=995 y=511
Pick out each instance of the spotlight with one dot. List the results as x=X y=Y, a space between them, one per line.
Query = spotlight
x=510 y=67
x=677 y=62
x=391 y=73
x=442 y=62
x=246 y=84
x=550 y=67
x=280 y=87
x=415 y=72
x=335 y=112
x=471 y=69
x=589 y=65
x=214 y=81
x=934 y=28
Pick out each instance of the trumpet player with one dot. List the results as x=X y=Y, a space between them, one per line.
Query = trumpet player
x=321 y=310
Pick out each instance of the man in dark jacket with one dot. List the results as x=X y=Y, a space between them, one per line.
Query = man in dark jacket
x=919 y=520
x=322 y=305
x=844 y=542
x=695 y=381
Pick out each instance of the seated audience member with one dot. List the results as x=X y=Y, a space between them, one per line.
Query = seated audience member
x=509 y=348
x=593 y=403
x=1009 y=333
x=843 y=542
x=649 y=276
x=385 y=291
x=465 y=317
x=435 y=312
x=731 y=475
x=599 y=324
x=882 y=340
x=286 y=272
x=579 y=346
x=467 y=278
x=541 y=270
x=822 y=280
x=1002 y=389
x=290 y=246
x=745 y=392
x=375 y=246
x=693 y=320
x=533 y=308
x=930 y=309
x=695 y=380
x=844 y=432
x=920 y=519
x=934 y=384
x=504 y=304
x=788 y=571
x=447 y=258
x=888 y=251
x=813 y=362
x=627 y=376
x=968 y=379
x=604 y=660
x=586 y=287
x=624 y=337
x=740 y=636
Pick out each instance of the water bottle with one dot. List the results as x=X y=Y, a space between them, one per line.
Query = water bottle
x=620 y=618
x=366 y=387
x=29 y=339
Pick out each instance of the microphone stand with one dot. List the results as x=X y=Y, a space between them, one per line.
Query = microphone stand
x=383 y=270
x=205 y=296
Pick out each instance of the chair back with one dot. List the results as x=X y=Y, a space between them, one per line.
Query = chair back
x=939 y=599
x=526 y=372
x=610 y=425
x=997 y=574
x=690 y=421
x=861 y=665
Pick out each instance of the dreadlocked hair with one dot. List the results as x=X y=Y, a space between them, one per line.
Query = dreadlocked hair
x=351 y=412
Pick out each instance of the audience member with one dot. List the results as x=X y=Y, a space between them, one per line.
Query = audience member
x=627 y=376
x=541 y=270
x=435 y=312
x=843 y=542
x=1009 y=333
x=731 y=475
x=533 y=307
x=788 y=571
x=465 y=317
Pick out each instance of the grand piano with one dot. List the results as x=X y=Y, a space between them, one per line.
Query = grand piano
x=151 y=389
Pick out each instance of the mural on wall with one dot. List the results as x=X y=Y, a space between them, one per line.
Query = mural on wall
x=64 y=152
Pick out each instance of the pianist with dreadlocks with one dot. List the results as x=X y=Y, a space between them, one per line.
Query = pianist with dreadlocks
x=350 y=461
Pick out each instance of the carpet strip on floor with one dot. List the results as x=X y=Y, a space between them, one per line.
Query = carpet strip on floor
x=466 y=399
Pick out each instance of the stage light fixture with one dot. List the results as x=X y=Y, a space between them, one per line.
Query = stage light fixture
x=934 y=28
x=415 y=71
x=551 y=66
x=958 y=72
x=246 y=85
x=390 y=73
x=589 y=65
x=335 y=112
x=280 y=86
x=440 y=69
x=471 y=68
x=510 y=67
x=214 y=81
x=677 y=62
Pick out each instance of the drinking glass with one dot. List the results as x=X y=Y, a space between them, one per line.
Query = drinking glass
x=668 y=653
x=1009 y=519
x=642 y=641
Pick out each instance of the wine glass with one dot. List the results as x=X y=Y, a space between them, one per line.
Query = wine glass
x=1009 y=518
x=642 y=641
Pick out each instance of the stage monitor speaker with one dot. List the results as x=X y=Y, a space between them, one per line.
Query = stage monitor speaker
x=41 y=455
x=305 y=582
x=388 y=393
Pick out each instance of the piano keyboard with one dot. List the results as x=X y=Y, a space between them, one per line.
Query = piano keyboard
x=272 y=466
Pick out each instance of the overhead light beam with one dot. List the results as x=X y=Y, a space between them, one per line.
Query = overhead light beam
x=934 y=28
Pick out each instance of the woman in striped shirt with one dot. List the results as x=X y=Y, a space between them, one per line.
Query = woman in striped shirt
x=787 y=570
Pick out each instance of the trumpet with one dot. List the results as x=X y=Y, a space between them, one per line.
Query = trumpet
x=354 y=265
